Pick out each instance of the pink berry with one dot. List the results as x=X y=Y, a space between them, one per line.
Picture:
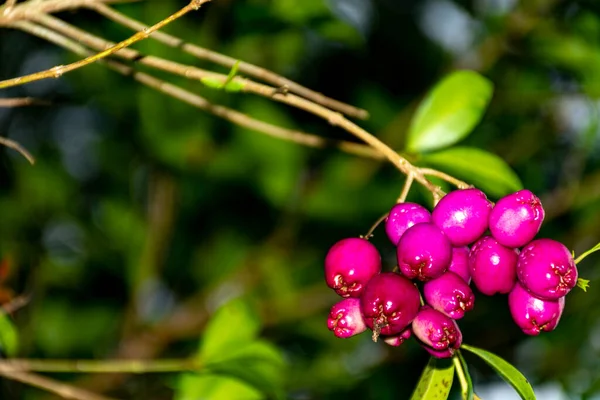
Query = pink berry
x=493 y=266
x=460 y=263
x=345 y=319
x=397 y=340
x=423 y=252
x=389 y=303
x=449 y=294
x=516 y=218
x=349 y=265
x=402 y=216
x=534 y=315
x=448 y=353
x=546 y=268
x=463 y=215
x=437 y=331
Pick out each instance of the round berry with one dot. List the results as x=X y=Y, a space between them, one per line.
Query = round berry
x=423 y=252
x=389 y=303
x=516 y=218
x=345 y=319
x=397 y=340
x=493 y=266
x=463 y=215
x=546 y=268
x=534 y=315
x=402 y=216
x=459 y=264
x=449 y=294
x=437 y=331
x=349 y=265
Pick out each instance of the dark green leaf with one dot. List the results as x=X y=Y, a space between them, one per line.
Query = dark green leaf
x=9 y=338
x=508 y=372
x=436 y=380
x=449 y=112
x=485 y=170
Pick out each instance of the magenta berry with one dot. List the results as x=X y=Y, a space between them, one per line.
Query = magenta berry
x=516 y=218
x=402 y=216
x=423 y=252
x=350 y=264
x=463 y=215
x=534 y=315
x=449 y=294
x=397 y=340
x=546 y=268
x=437 y=331
x=459 y=264
x=345 y=319
x=493 y=266
x=389 y=303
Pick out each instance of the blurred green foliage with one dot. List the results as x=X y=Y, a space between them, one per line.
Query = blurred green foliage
x=144 y=215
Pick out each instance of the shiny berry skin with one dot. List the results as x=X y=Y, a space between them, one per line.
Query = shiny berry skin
x=463 y=215
x=437 y=331
x=398 y=339
x=350 y=264
x=449 y=294
x=534 y=315
x=423 y=252
x=401 y=217
x=493 y=266
x=459 y=264
x=516 y=219
x=345 y=319
x=389 y=303
x=546 y=268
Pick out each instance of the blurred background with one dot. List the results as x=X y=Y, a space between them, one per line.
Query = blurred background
x=143 y=214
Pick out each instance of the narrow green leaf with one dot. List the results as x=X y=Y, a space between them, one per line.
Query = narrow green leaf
x=9 y=338
x=436 y=380
x=485 y=170
x=235 y=324
x=462 y=371
x=506 y=371
x=449 y=112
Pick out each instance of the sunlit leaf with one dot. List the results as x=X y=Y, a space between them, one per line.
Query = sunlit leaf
x=483 y=169
x=449 y=112
x=507 y=371
x=9 y=338
x=436 y=380
x=214 y=387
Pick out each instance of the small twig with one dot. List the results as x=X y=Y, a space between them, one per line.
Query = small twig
x=101 y=366
x=59 y=70
x=406 y=188
x=369 y=234
x=27 y=8
x=226 y=61
x=61 y=389
x=195 y=100
x=22 y=101
x=16 y=304
x=448 y=178
x=16 y=146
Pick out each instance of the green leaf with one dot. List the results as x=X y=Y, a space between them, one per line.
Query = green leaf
x=449 y=112
x=462 y=371
x=506 y=371
x=214 y=387
x=9 y=338
x=436 y=380
x=483 y=169
x=233 y=325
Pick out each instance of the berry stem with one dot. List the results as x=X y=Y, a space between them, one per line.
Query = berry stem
x=369 y=234
x=406 y=188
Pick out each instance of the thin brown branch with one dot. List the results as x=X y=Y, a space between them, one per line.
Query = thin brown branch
x=16 y=146
x=16 y=12
x=60 y=70
x=22 y=102
x=61 y=389
x=226 y=113
x=226 y=61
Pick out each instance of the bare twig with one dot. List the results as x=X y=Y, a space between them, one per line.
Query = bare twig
x=101 y=366
x=61 y=389
x=16 y=304
x=226 y=61
x=59 y=70
x=26 y=9
x=226 y=113
x=444 y=176
x=22 y=101
x=16 y=146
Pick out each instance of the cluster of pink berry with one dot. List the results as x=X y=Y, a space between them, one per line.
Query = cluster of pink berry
x=434 y=259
